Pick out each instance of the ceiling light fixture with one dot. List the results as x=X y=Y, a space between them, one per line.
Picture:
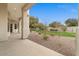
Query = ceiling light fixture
x=14 y=8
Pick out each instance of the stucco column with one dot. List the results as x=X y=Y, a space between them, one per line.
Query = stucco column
x=3 y=22
x=77 y=36
x=25 y=25
x=19 y=26
x=77 y=40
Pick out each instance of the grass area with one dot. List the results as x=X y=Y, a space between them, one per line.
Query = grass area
x=67 y=34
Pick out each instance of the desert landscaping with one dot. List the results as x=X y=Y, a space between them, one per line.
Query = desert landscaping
x=55 y=36
x=63 y=45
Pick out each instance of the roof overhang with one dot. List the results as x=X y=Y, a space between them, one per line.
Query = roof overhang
x=15 y=9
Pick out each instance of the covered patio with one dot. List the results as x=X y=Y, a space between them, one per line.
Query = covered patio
x=14 y=32
x=15 y=46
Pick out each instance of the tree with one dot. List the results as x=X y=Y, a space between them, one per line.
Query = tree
x=55 y=24
x=71 y=22
x=58 y=25
x=63 y=27
x=41 y=26
x=34 y=24
x=33 y=21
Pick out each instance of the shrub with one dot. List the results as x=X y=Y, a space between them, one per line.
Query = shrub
x=55 y=30
x=39 y=33
x=52 y=35
x=45 y=37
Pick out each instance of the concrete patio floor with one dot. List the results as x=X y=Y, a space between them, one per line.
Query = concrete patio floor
x=18 y=47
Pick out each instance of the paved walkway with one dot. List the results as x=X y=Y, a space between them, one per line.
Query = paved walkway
x=18 y=47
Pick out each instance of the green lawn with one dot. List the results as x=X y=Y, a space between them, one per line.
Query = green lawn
x=67 y=34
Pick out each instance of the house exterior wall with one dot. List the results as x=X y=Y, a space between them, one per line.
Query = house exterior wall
x=13 y=22
x=3 y=22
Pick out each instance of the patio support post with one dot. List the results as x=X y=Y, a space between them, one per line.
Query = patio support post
x=25 y=24
x=77 y=36
x=19 y=25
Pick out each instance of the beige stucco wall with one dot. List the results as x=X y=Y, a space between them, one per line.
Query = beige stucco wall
x=3 y=22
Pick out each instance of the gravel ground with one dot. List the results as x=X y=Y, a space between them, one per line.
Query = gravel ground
x=63 y=45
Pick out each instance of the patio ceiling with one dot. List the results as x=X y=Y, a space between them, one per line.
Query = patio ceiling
x=15 y=10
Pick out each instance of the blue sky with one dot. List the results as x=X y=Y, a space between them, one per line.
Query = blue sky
x=50 y=12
